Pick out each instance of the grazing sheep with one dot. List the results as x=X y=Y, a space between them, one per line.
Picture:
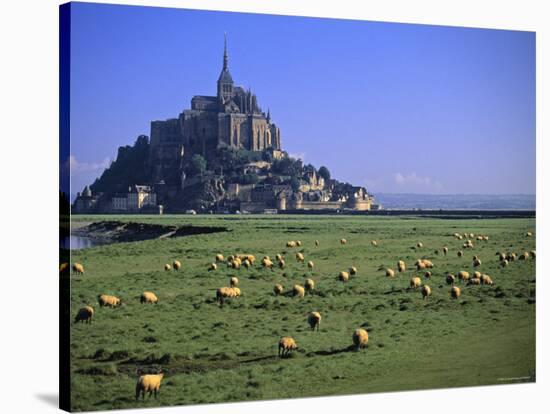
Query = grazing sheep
x=236 y=292
x=286 y=344
x=278 y=289
x=360 y=338
x=390 y=272
x=504 y=263
x=529 y=234
x=486 y=280
x=219 y=257
x=456 y=235
x=420 y=265
x=401 y=266
x=214 y=266
x=533 y=253
x=415 y=282
x=281 y=264
x=300 y=257
x=450 y=278
x=78 y=269
x=477 y=274
x=63 y=267
x=459 y=253
x=298 y=243
x=148 y=297
x=309 y=285
x=343 y=276
x=223 y=293
x=316 y=242
x=310 y=265
x=167 y=267
x=445 y=250
x=176 y=265
x=455 y=292
x=343 y=241
x=511 y=257
x=149 y=383
x=472 y=235
x=299 y=291
x=501 y=256
x=524 y=256
x=267 y=263
x=474 y=281
x=278 y=257
x=428 y=274
x=419 y=245
x=480 y=238
x=84 y=314
x=426 y=291
x=485 y=238
x=314 y=320
x=353 y=270
x=476 y=262
x=108 y=300
x=246 y=263
x=233 y=281
x=374 y=243
x=290 y=244
x=463 y=275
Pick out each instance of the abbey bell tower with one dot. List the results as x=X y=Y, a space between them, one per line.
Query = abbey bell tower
x=225 y=81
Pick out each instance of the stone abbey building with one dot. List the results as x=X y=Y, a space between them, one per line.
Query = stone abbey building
x=232 y=118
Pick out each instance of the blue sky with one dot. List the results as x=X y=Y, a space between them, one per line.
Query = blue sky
x=394 y=107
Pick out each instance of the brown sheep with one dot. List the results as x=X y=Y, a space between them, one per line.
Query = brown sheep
x=84 y=314
x=459 y=253
x=360 y=338
x=445 y=250
x=299 y=291
x=476 y=262
x=504 y=263
x=401 y=266
x=533 y=254
x=167 y=267
x=298 y=243
x=108 y=300
x=286 y=344
x=374 y=243
x=309 y=285
x=310 y=265
x=486 y=280
x=314 y=320
x=426 y=291
x=78 y=269
x=477 y=275
x=415 y=282
x=343 y=276
x=428 y=275
x=291 y=244
x=474 y=281
x=148 y=383
x=148 y=297
x=450 y=278
x=300 y=257
x=316 y=242
x=463 y=275
x=524 y=256
x=529 y=234
x=219 y=257
x=176 y=265
x=390 y=273
x=343 y=241
x=223 y=293
x=353 y=270
x=267 y=263
x=282 y=264
x=278 y=289
x=278 y=257
x=419 y=245
x=63 y=267
x=214 y=266
x=455 y=292
x=233 y=281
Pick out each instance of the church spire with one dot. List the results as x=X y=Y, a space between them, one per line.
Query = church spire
x=225 y=57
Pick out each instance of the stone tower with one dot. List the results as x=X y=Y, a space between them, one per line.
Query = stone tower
x=225 y=81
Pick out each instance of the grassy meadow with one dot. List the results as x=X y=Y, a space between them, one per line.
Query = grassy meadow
x=220 y=354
